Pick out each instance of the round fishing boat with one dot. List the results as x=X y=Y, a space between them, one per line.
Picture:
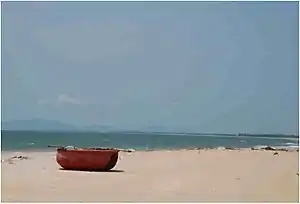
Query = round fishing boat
x=87 y=159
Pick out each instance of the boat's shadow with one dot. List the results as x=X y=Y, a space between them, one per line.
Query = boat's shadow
x=109 y=171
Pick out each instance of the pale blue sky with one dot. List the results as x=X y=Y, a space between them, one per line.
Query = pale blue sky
x=204 y=67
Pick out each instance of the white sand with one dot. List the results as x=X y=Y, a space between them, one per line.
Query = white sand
x=208 y=175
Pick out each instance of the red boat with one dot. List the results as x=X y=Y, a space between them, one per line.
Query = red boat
x=87 y=159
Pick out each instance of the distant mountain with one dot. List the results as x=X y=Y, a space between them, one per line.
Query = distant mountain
x=37 y=125
x=98 y=128
x=52 y=125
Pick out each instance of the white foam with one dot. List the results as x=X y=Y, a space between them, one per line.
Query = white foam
x=291 y=144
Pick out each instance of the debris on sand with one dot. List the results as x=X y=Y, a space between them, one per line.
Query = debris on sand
x=276 y=153
x=14 y=158
x=127 y=150
x=20 y=157
x=269 y=148
x=283 y=150
x=231 y=148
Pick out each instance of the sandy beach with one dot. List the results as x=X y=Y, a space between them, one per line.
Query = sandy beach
x=179 y=175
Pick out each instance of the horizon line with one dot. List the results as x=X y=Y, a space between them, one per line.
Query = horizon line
x=145 y=131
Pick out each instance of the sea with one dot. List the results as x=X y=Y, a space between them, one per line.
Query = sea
x=34 y=140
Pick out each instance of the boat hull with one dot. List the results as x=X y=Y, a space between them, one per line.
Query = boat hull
x=87 y=159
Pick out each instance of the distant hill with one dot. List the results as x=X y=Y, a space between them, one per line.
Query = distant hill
x=98 y=128
x=52 y=125
x=37 y=125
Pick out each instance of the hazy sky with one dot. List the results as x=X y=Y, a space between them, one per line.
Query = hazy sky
x=205 y=67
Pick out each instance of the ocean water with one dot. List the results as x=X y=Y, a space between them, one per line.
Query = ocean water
x=30 y=140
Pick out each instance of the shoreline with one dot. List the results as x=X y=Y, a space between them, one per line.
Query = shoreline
x=255 y=148
x=38 y=141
